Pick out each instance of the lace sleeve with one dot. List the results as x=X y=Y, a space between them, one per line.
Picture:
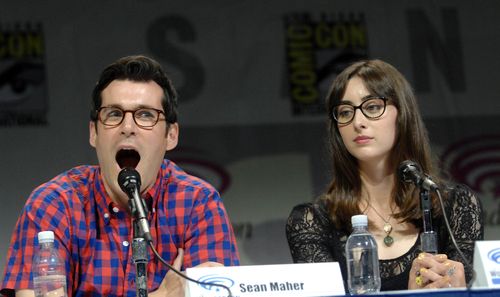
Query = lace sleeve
x=308 y=234
x=465 y=216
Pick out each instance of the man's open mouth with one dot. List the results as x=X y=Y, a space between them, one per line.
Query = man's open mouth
x=127 y=158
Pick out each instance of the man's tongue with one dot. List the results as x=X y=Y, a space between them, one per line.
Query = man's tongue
x=127 y=158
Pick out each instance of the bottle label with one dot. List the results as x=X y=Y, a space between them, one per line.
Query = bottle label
x=50 y=286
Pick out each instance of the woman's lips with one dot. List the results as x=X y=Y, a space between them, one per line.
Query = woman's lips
x=362 y=139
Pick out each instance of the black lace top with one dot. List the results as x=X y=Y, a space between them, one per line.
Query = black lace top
x=312 y=237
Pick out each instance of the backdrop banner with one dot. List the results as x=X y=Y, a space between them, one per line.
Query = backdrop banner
x=252 y=77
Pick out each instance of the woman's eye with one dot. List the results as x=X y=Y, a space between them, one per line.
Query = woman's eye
x=345 y=113
x=373 y=107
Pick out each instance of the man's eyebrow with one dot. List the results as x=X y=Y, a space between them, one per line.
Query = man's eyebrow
x=140 y=106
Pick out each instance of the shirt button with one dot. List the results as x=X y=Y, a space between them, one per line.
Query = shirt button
x=115 y=209
x=125 y=243
x=106 y=215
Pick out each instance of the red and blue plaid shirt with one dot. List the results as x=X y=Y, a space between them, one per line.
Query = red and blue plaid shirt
x=94 y=234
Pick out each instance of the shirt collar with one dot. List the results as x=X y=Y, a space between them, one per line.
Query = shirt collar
x=106 y=204
x=161 y=179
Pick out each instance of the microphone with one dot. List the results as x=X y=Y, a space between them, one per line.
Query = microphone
x=130 y=182
x=411 y=172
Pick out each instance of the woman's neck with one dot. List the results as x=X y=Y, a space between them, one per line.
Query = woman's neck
x=377 y=183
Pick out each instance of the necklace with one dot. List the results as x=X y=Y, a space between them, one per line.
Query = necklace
x=388 y=240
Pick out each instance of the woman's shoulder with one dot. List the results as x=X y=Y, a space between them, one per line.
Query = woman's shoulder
x=457 y=187
x=311 y=211
x=458 y=193
x=461 y=200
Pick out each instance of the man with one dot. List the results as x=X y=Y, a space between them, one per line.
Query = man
x=133 y=123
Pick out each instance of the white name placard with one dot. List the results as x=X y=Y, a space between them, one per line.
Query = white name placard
x=305 y=279
x=487 y=264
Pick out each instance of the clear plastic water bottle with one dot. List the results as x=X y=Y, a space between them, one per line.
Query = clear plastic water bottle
x=362 y=259
x=49 y=275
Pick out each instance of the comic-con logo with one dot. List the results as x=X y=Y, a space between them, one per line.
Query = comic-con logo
x=23 y=89
x=316 y=51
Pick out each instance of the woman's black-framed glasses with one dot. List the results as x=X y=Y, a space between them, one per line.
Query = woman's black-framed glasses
x=113 y=116
x=372 y=108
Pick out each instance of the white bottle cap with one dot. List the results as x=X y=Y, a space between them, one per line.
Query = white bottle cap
x=45 y=236
x=359 y=220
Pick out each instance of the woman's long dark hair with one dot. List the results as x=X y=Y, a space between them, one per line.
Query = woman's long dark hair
x=412 y=143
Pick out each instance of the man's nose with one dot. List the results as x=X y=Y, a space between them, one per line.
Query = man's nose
x=128 y=125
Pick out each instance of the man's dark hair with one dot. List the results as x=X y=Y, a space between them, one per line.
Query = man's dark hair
x=140 y=69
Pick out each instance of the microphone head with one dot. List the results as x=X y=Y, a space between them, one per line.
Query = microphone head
x=128 y=179
x=409 y=171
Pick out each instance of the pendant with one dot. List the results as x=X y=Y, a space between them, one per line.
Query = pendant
x=388 y=240
x=387 y=228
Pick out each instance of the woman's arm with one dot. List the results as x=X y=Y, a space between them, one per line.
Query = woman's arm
x=308 y=235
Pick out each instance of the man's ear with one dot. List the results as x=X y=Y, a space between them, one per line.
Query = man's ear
x=92 y=133
x=172 y=137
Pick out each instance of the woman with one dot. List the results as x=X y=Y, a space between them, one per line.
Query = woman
x=374 y=125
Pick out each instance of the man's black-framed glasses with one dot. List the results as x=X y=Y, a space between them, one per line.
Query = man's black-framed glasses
x=372 y=108
x=113 y=116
